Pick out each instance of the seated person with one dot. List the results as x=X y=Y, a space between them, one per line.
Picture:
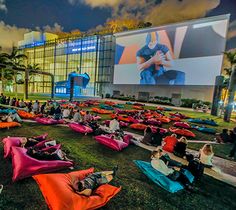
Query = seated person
x=223 y=137
x=172 y=173
x=32 y=141
x=147 y=139
x=157 y=138
x=57 y=113
x=77 y=116
x=87 y=117
x=45 y=155
x=114 y=125
x=180 y=147
x=206 y=155
x=66 y=113
x=93 y=181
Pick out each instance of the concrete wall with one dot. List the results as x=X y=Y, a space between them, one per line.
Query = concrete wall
x=204 y=93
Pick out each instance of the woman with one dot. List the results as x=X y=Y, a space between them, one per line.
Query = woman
x=66 y=112
x=223 y=137
x=57 y=113
x=205 y=155
x=77 y=116
x=147 y=139
x=180 y=147
x=172 y=173
x=93 y=181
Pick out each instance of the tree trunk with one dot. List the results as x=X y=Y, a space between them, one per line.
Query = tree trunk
x=232 y=89
x=2 y=81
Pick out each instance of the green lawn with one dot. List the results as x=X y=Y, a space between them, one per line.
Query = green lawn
x=138 y=192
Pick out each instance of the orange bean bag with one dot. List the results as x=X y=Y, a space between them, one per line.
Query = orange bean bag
x=164 y=119
x=59 y=195
x=110 y=103
x=101 y=111
x=182 y=132
x=26 y=115
x=138 y=126
x=138 y=107
x=9 y=124
x=169 y=143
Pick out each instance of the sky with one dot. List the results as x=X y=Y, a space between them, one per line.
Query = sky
x=20 y=16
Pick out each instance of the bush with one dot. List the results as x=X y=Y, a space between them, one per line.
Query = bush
x=189 y=102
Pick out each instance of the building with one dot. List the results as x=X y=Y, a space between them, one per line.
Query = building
x=111 y=61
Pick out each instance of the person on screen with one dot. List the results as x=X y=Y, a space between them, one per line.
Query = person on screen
x=152 y=60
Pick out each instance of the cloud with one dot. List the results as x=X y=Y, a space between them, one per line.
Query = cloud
x=232 y=30
x=3 y=6
x=166 y=11
x=56 y=28
x=10 y=35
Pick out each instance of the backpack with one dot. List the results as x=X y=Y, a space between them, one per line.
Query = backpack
x=196 y=168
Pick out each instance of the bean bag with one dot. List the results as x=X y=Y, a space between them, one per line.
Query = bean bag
x=27 y=115
x=106 y=107
x=182 y=125
x=182 y=132
x=195 y=121
x=158 y=178
x=138 y=107
x=181 y=116
x=9 y=125
x=169 y=143
x=119 y=111
x=129 y=103
x=152 y=121
x=138 y=104
x=174 y=118
x=26 y=166
x=121 y=123
x=59 y=195
x=138 y=126
x=101 y=111
x=48 y=121
x=204 y=129
x=111 y=143
x=164 y=119
x=9 y=142
x=7 y=111
x=110 y=103
x=206 y=122
x=121 y=106
x=96 y=117
x=162 y=130
x=80 y=128
x=160 y=108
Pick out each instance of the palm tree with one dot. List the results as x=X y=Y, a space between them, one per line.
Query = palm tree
x=31 y=74
x=231 y=57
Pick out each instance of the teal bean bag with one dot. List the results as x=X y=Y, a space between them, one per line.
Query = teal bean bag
x=7 y=111
x=206 y=122
x=159 y=178
x=129 y=103
x=102 y=106
x=204 y=129
x=119 y=106
x=196 y=121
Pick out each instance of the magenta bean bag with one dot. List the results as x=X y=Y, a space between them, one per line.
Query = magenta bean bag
x=25 y=166
x=8 y=143
x=121 y=123
x=48 y=121
x=111 y=143
x=162 y=130
x=152 y=121
x=182 y=125
x=132 y=120
x=96 y=117
x=80 y=128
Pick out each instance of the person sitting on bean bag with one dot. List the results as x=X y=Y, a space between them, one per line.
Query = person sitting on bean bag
x=93 y=181
x=45 y=155
x=223 y=137
x=206 y=155
x=148 y=134
x=157 y=138
x=30 y=142
x=180 y=147
x=174 y=174
x=114 y=125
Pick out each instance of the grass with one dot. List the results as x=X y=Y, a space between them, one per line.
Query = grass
x=138 y=192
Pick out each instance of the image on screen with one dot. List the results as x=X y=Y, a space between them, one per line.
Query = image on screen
x=189 y=54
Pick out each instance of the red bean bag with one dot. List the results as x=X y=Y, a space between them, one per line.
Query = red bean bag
x=9 y=125
x=174 y=118
x=80 y=128
x=111 y=143
x=182 y=125
x=8 y=143
x=26 y=166
x=138 y=107
x=110 y=103
x=169 y=143
x=138 y=126
x=164 y=119
x=27 y=115
x=162 y=130
x=182 y=132
x=48 y=121
x=59 y=195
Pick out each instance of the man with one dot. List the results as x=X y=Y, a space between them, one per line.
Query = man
x=114 y=125
x=152 y=60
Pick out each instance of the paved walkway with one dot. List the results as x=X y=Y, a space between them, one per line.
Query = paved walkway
x=224 y=170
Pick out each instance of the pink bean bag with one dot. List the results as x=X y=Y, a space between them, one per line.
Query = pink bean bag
x=111 y=143
x=162 y=130
x=182 y=125
x=80 y=128
x=26 y=166
x=9 y=142
x=152 y=121
x=121 y=123
x=96 y=117
x=48 y=121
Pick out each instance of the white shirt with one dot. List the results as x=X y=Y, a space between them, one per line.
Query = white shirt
x=160 y=166
x=66 y=113
x=114 y=125
x=77 y=117
x=206 y=159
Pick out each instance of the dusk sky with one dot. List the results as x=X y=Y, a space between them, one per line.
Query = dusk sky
x=19 y=16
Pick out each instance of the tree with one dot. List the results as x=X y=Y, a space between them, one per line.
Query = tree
x=231 y=57
x=31 y=74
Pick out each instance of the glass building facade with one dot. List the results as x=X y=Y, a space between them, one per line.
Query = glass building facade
x=93 y=55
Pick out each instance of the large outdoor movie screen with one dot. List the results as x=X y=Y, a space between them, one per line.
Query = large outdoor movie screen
x=186 y=54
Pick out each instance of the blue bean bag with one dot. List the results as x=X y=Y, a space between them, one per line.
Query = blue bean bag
x=102 y=106
x=129 y=103
x=206 y=122
x=7 y=111
x=119 y=106
x=196 y=121
x=159 y=178
x=204 y=129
